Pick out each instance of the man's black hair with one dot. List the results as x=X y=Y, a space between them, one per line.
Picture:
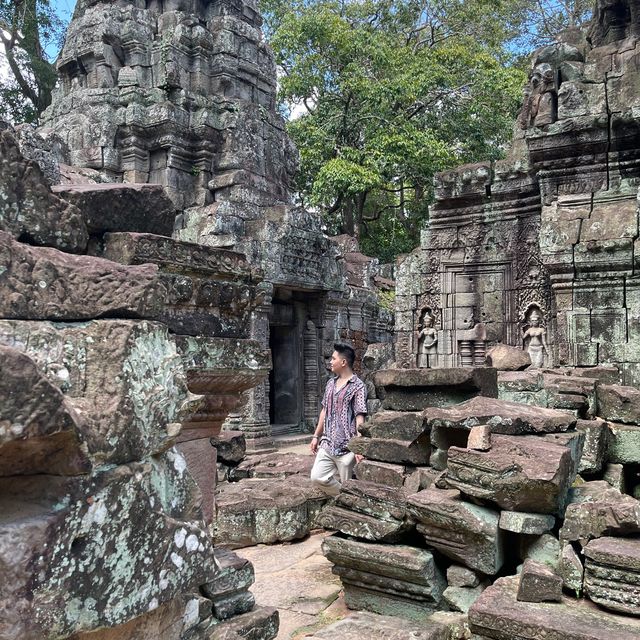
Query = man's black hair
x=346 y=352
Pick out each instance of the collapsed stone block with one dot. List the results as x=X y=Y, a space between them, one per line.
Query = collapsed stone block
x=624 y=443
x=460 y=530
x=596 y=443
x=596 y=509
x=505 y=358
x=143 y=208
x=414 y=452
x=124 y=378
x=415 y=389
x=526 y=523
x=498 y=614
x=502 y=416
x=39 y=283
x=40 y=431
x=265 y=511
x=538 y=583
x=523 y=473
x=394 y=579
x=612 y=573
x=395 y=425
x=385 y=473
x=462 y=598
x=619 y=404
x=231 y=446
x=458 y=576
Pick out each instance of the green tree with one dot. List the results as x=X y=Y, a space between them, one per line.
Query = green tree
x=385 y=93
x=29 y=31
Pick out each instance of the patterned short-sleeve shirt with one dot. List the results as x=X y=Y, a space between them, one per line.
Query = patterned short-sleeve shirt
x=341 y=408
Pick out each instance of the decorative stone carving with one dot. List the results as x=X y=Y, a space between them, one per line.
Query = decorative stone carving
x=534 y=339
x=427 y=341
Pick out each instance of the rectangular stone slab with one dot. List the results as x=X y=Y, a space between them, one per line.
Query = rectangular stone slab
x=415 y=389
x=395 y=451
x=39 y=283
x=399 y=562
x=518 y=473
x=385 y=473
x=502 y=416
x=395 y=425
x=384 y=503
x=612 y=574
x=359 y=525
x=460 y=530
x=597 y=509
x=499 y=615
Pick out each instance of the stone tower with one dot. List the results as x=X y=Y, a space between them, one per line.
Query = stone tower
x=182 y=93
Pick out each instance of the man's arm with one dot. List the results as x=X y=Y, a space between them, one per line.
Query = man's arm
x=317 y=434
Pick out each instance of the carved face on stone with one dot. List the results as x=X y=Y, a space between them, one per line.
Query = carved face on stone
x=535 y=319
x=541 y=78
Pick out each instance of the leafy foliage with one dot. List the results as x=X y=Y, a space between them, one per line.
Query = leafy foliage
x=382 y=94
x=29 y=30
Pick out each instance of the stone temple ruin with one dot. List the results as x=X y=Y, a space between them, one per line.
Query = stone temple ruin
x=182 y=94
x=549 y=234
x=156 y=285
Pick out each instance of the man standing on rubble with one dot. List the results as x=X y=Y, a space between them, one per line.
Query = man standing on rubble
x=344 y=408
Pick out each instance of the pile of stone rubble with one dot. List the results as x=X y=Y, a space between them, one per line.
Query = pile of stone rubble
x=519 y=516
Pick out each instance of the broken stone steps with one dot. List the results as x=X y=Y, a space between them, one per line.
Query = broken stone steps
x=498 y=614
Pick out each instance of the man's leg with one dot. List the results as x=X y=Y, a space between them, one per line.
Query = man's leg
x=322 y=473
x=345 y=464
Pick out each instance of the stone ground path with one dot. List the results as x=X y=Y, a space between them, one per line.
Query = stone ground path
x=296 y=578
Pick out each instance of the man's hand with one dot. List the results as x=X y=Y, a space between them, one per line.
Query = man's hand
x=314 y=445
x=359 y=457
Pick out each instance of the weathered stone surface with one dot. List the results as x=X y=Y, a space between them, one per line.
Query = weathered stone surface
x=390 y=475
x=538 y=583
x=458 y=576
x=544 y=549
x=362 y=526
x=397 y=562
x=38 y=283
x=273 y=465
x=257 y=511
x=39 y=429
x=415 y=452
x=570 y=568
x=367 y=510
x=462 y=598
x=261 y=623
x=612 y=573
x=480 y=438
x=624 y=443
x=228 y=592
x=362 y=624
x=498 y=614
x=230 y=445
x=527 y=523
x=113 y=549
x=596 y=443
x=523 y=473
x=614 y=475
x=395 y=425
x=29 y=210
x=619 y=404
x=143 y=208
x=420 y=478
x=415 y=389
x=502 y=417
x=505 y=358
x=597 y=509
x=124 y=378
x=460 y=530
